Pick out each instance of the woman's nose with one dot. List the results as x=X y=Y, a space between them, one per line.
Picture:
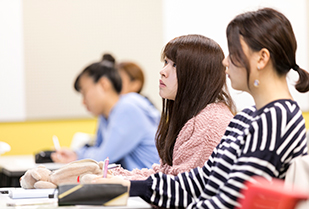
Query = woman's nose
x=163 y=72
x=225 y=62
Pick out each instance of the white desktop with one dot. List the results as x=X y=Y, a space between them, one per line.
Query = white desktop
x=17 y=165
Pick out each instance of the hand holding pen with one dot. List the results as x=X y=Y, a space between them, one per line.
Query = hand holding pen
x=62 y=155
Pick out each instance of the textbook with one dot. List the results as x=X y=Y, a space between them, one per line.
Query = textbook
x=92 y=194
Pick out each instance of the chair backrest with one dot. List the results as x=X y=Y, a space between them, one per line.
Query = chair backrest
x=264 y=194
x=297 y=177
x=4 y=147
x=80 y=139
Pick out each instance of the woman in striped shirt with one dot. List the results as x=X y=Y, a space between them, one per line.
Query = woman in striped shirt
x=259 y=141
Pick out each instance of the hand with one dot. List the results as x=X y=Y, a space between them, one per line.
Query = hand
x=111 y=180
x=64 y=155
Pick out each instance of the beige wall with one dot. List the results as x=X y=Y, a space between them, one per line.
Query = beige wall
x=61 y=37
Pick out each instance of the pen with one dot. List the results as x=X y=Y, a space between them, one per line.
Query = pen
x=105 y=168
x=56 y=143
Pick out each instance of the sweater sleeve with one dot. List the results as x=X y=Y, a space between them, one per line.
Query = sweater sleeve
x=136 y=174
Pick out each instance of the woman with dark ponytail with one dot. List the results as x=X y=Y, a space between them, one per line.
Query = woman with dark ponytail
x=261 y=140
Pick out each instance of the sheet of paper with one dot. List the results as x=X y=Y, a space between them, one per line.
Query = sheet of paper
x=32 y=201
x=19 y=193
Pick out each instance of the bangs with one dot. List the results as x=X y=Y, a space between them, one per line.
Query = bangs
x=236 y=53
x=170 y=51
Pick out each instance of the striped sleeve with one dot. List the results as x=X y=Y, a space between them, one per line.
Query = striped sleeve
x=260 y=144
x=170 y=191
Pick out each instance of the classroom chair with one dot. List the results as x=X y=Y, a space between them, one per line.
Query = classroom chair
x=80 y=139
x=270 y=195
x=297 y=177
x=4 y=147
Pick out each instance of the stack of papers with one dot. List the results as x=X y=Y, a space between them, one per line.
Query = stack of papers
x=28 y=197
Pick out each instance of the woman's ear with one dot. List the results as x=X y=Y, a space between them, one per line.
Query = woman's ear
x=264 y=57
x=135 y=86
x=104 y=83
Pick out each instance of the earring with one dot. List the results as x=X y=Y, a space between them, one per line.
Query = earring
x=256 y=83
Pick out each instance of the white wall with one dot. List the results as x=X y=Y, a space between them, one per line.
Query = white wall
x=44 y=44
x=210 y=18
x=62 y=37
x=23 y=59
x=12 y=94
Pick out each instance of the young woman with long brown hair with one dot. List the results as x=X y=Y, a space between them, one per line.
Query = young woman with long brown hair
x=196 y=106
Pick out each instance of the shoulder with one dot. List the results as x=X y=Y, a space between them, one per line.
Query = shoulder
x=283 y=108
x=213 y=119
x=135 y=99
x=278 y=126
x=130 y=98
x=215 y=109
x=136 y=104
x=279 y=112
x=129 y=101
x=214 y=113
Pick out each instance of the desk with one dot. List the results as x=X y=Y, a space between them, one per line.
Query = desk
x=13 y=167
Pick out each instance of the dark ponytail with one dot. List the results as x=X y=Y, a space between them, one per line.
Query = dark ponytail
x=302 y=84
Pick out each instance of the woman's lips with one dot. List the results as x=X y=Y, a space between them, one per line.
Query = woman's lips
x=162 y=84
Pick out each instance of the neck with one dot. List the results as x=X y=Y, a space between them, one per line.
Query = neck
x=110 y=103
x=271 y=88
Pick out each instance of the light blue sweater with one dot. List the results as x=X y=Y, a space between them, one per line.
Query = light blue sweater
x=128 y=135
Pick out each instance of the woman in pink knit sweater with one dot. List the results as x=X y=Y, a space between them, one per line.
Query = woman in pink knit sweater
x=196 y=109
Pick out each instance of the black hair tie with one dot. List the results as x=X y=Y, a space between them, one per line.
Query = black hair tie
x=296 y=68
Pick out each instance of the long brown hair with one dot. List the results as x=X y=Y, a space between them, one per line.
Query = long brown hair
x=201 y=81
x=270 y=29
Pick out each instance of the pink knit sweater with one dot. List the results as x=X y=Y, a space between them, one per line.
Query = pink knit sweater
x=194 y=144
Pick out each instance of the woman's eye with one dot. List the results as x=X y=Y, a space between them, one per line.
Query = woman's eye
x=174 y=65
x=165 y=62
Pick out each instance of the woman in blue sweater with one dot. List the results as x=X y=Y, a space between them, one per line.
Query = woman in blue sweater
x=127 y=123
x=259 y=141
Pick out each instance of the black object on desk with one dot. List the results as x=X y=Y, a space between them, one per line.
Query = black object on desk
x=10 y=179
x=92 y=194
x=43 y=157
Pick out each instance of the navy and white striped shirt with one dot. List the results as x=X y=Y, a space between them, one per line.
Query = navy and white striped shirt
x=257 y=142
